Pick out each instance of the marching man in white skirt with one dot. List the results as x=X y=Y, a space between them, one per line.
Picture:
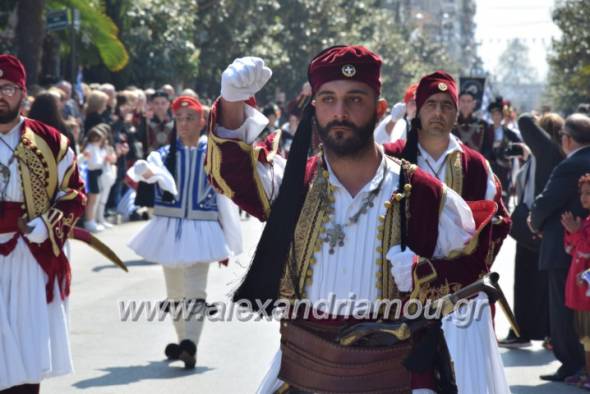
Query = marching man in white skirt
x=41 y=198
x=192 y=227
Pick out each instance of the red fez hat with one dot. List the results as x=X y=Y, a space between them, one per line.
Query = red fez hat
x=410 y=93
x=186 y=102
x=13 y=70
x=438 y=82
x=346 y=62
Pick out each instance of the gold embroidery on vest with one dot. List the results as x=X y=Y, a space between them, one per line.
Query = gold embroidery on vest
x=311 y=225
x=454 y=175
x=38 y=172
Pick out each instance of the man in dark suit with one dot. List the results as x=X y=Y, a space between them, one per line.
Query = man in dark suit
x=561 y=195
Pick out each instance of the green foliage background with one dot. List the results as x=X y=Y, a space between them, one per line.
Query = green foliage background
x=569 y=62
x=189 y=42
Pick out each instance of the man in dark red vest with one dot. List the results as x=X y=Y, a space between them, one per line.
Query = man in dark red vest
x=432 y=146
x=337 y=222
x=41 y=198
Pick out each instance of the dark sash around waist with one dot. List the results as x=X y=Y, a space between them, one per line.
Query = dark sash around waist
x=312 y=361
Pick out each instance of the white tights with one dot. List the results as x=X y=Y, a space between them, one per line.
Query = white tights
x=187 y=283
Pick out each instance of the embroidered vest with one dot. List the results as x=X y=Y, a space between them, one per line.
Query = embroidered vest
x=311 y=225
x=196 y=199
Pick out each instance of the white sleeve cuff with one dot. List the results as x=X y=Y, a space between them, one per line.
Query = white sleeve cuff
x=161 y=173
x=253 y=125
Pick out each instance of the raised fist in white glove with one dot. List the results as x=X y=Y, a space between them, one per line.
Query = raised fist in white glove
x=398 y=111
x=243 y=78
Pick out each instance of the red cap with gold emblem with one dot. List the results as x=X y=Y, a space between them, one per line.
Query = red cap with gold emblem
x=346 y=62
x=186 y=102
x=438 y=82
x=13 y=70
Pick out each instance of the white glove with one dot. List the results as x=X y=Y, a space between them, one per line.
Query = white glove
x=140 y=167
x=39 y=233
x=401 y=267
x=398 y=111
x=243 y=78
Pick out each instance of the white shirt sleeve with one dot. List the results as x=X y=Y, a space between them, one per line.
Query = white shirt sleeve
x=161 y=175
x=271 y=175
x=253 y=125
x=380 y=133
x=491 y=184
x=455 y=225
x=94 y=156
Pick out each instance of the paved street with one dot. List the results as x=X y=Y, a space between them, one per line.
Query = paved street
x=111 y=356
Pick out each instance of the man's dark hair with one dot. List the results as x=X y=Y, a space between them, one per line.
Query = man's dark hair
x=583 y=108
x=578 y=127
x=159 y=93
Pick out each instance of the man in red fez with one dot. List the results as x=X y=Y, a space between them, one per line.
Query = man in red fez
x=192 y=227
x=432 y=146
x=41 y=198
x=344 y=225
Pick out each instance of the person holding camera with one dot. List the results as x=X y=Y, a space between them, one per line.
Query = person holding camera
x=505 y=149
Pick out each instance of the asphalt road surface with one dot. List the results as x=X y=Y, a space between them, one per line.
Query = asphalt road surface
x=114 y=356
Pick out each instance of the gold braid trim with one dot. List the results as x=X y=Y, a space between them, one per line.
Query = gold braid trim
x=307 y=240
x=63 y=147
x=254 y=154
x=38 y=171
x=67 y=176
x=311 y=225
x=51 y=218
x=213 y=164
x=454 y=174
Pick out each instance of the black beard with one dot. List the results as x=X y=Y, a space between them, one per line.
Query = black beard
x=9 y=115
x=362 y=136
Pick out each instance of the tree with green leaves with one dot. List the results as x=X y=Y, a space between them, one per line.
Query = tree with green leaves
x=98 y=35
x=569 y=61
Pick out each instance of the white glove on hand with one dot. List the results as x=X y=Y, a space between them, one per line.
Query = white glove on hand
x=398 y=111
x=140 y=167
x=39 y=233
x=243 y=78
x=401 y=267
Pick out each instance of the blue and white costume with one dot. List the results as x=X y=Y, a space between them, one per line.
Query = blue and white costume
x=198 y=227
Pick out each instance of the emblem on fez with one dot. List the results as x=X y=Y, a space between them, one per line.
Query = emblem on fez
x=348 y=70
x=184 y=104
x=442 y=86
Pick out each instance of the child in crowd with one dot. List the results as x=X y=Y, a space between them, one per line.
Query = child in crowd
x=95 y=152
x=577 y=295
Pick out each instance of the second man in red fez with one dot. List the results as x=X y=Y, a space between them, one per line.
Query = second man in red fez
x=347 y=222
x=432 y=146
x=41 y=198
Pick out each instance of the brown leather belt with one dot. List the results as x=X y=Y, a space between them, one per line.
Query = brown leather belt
x=313 y=362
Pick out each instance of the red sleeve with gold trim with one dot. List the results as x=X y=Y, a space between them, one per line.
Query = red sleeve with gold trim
x=452 y=273
x=426 y=199
x=231 y=166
